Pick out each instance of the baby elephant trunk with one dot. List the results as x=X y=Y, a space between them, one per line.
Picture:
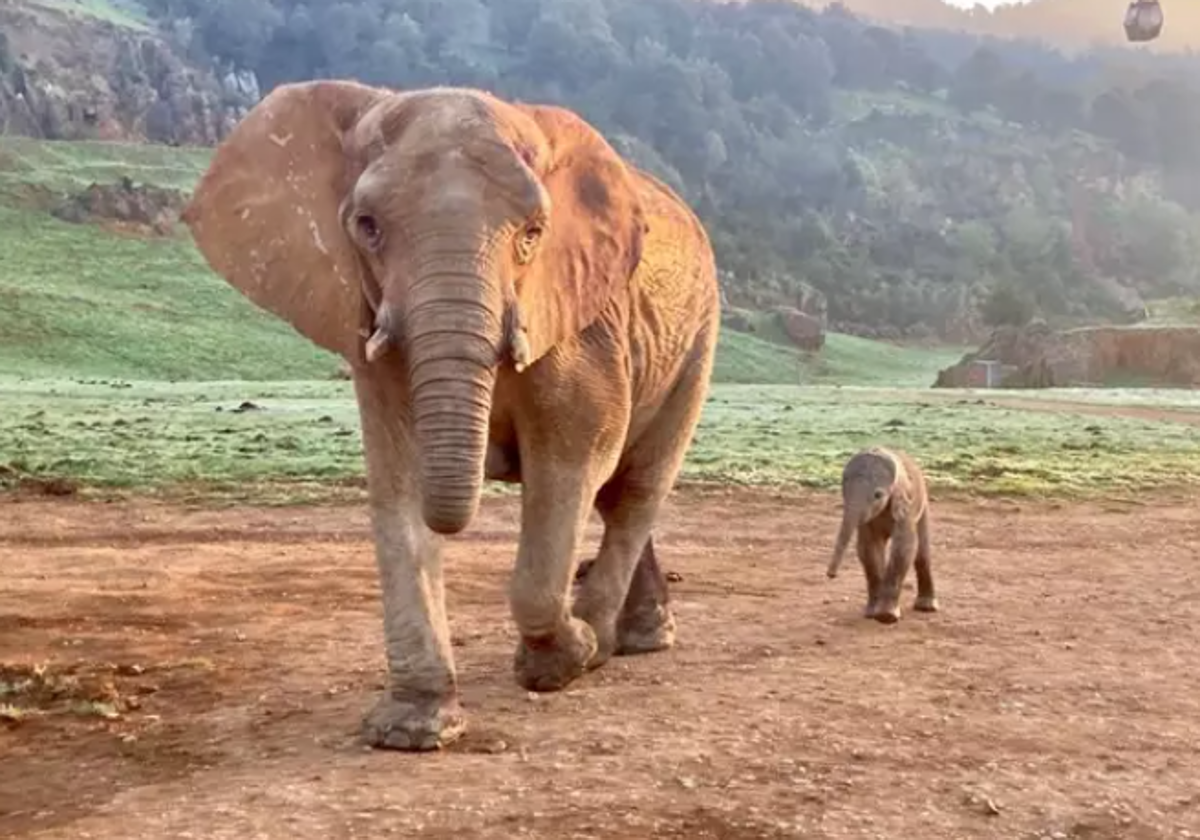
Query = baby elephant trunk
x=860 y=503
x=849 y=524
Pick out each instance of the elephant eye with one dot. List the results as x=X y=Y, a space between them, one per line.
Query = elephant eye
x=369 y=230
x=527 y=241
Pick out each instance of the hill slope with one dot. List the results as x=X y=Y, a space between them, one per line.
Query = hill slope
x=79 y=300
x=963 y=171
x=909 y=184
x=86 y=301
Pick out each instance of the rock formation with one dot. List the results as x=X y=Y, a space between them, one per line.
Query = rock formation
x=1038 y=357
x=71 y=77
x=141 y=206
x=804 y=330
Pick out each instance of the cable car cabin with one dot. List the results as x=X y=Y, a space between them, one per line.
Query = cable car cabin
x=1143 y=21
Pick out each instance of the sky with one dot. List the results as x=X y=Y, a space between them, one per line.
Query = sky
x=970 y=4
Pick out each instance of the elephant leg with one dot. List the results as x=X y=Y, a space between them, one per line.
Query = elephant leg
x=602 y=599
x=900 y=560
x=624 y=595
x=646 y=624
x=926 y=595
x=870 y=549
x=555 y=647
x=419 y=709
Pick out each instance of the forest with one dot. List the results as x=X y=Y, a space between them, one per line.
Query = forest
x=903 y=182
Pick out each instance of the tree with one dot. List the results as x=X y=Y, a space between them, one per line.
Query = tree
x=815 y=147
x=1007 y=306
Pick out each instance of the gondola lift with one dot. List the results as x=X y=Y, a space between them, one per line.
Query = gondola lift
x=1143 y=21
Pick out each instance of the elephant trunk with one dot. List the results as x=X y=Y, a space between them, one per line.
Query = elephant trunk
x=452 y=335
x=852 y=515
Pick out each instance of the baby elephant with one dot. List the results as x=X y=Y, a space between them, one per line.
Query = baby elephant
x=884 y=497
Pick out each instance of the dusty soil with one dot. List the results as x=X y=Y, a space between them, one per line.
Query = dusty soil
x=1054 y=696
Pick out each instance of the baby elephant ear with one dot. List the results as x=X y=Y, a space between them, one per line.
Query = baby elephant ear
x=594 y=240
x=265 y=213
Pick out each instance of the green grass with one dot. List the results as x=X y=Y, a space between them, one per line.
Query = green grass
x=122 y=359
x=767 y=357
x=304 y=440
x=75 y=300
x=746 y=359
x=79 y=300
x=72 y=165
x=1169 y=399
x=802 y=435
x=850 y=360
x=1177 y=311
x=854 y=105
x=121 y=12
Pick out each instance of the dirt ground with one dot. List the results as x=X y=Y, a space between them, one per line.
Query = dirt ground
x=1055 y=695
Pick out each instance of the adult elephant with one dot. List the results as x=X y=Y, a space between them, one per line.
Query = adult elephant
x=516 y=303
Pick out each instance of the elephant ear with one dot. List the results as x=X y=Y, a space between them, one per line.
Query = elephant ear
x=594 y=239
x=265 y=215
x=901 y=487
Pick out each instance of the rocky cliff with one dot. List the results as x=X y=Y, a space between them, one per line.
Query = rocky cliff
x=1039 y=357
x=69 y=76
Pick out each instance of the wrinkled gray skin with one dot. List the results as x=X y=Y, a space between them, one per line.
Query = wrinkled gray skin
x=884 y=498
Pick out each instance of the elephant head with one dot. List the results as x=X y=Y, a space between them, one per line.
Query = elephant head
x=457 y=230
x=867 y=485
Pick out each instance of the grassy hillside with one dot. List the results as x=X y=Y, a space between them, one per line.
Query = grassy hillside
x=845 y=360
x=80 y=300
x=63 y=165
x=124 y=13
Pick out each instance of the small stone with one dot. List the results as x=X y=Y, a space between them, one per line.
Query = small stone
x=687 y=783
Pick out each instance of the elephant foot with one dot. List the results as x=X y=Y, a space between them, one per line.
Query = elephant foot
x=647 y=631
x=551 y=663
x=414 y=725
x=886 y=614
x=926 y=604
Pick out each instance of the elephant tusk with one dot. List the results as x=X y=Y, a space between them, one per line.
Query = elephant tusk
x=517 y=338
x=520 y=350
x=377 y=345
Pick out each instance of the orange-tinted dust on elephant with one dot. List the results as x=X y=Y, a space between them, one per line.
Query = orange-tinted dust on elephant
x=516 y=302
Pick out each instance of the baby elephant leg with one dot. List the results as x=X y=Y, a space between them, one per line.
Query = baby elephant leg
x=870 y=548
x=900 y=560
x=926 y=596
